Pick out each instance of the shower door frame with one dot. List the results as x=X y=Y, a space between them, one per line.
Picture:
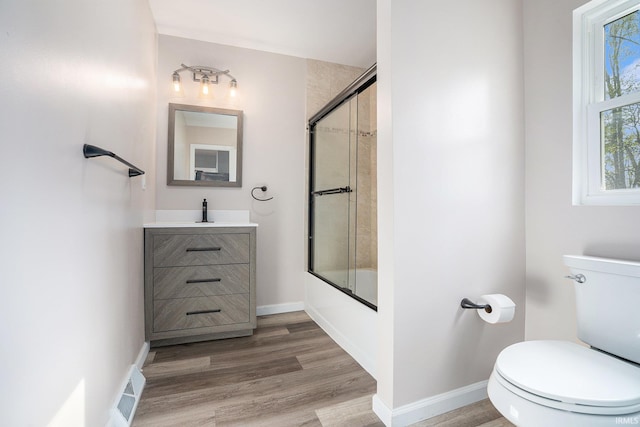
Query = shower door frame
x=359 y=85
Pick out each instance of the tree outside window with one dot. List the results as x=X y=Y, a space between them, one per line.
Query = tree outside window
x=620 y=126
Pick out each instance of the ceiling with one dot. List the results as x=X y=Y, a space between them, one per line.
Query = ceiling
x=340 y=31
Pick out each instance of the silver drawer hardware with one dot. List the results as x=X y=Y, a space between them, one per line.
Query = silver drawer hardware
x=216 y=248
x=203 y=280
x=578 y=278
x=216 y=310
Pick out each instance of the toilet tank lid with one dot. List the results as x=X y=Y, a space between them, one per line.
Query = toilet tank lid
x=605 y=265
x=570 y=373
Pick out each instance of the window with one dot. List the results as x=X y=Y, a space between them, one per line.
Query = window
x=606 y=55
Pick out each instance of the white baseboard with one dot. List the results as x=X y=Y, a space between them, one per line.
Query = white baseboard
x=264 y=310
x=142 y=354
x=429 y=407
x=345 y=343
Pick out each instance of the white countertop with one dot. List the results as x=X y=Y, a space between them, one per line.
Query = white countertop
x=167 y=224
x=191 y=218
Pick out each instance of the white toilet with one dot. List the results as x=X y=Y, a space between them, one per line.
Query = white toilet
x=561 y=383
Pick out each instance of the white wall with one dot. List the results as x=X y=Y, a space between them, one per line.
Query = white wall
x=272 y=89
x=71 y=264
x=450 y=190
x=554 y=226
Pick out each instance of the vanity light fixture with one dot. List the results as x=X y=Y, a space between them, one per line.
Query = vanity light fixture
x=206 y=76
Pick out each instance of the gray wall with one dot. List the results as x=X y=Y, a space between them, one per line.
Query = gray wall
x=450 y=190
x=71 y=264
x=554 y=226
x=272 y=96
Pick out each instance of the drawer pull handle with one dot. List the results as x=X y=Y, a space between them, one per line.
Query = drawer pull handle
x=203 y=280
x=216 y=310
x=215 y=248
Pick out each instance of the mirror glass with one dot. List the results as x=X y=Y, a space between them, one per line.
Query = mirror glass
x=205 y=146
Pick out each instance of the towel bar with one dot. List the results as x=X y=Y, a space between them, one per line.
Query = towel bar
x=93 y=151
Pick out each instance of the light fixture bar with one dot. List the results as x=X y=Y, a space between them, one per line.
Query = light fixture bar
x=200 y=71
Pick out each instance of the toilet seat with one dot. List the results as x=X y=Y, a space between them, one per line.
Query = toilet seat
x=569 y=377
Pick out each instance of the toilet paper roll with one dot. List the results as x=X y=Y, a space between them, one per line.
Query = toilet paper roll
x=502 y=308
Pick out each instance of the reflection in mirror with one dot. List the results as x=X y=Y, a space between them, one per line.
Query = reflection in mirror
x=205 y=146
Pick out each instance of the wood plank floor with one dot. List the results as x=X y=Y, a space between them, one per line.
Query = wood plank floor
x=289 y=373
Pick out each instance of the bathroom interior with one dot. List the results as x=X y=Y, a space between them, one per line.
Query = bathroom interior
x=459 y=163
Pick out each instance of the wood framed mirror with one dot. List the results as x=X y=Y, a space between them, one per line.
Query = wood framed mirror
x=205 y=146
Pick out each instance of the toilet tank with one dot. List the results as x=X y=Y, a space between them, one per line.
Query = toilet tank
x=608 y=304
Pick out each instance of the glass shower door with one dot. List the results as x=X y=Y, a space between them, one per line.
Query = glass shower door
x=343 y=239
x=330 y=191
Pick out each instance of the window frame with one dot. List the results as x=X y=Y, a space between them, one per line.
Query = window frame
x=589 y=102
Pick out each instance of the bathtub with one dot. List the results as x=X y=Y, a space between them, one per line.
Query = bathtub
x=350 y=323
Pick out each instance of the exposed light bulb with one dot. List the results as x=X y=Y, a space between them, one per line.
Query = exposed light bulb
x=233 y=89
x=205 y=85
x=176 y=82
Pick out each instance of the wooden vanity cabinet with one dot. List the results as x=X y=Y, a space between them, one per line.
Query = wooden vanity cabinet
x=199 y=283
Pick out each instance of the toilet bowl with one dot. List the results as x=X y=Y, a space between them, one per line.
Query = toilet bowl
x=561 y=383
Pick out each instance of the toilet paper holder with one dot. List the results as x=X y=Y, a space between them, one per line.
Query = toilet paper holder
x=467 y=303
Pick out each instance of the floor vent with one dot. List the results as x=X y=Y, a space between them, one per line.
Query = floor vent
x=128 y=402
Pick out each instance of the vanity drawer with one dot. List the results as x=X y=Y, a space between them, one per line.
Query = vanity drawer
x=174 y=250
x=187 y=313
x=200 y=281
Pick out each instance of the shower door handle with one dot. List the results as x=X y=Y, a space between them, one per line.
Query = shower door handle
x=338 y=190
